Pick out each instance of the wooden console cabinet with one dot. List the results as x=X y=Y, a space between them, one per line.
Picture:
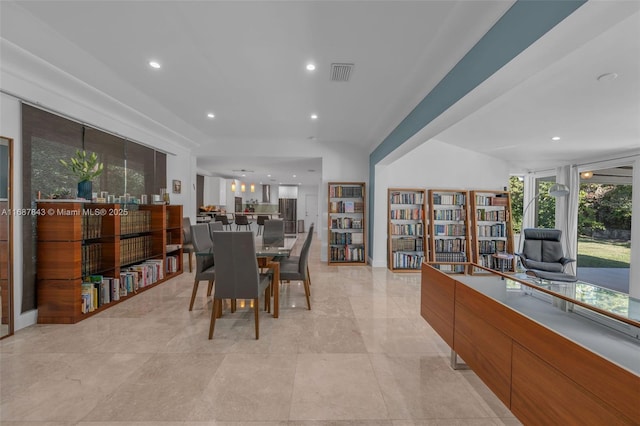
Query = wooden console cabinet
x=542 y=373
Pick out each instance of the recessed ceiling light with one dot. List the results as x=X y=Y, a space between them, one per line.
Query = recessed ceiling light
x=314 y=116
x=294 y=175
x=211 y=115
x=555 y=138
x=268 y=175
x=154 y=64
x=311 y=67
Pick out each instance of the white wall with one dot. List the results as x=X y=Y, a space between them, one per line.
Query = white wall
x=432 y=165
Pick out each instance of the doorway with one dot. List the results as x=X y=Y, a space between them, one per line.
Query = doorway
x=311 y=210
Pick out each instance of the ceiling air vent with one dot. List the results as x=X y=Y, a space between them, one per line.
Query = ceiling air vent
x=341 y=72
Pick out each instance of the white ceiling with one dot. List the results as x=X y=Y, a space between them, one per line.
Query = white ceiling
x=245 y=62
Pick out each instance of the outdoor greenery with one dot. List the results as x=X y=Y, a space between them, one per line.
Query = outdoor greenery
x=603 y=253
x=600 y=206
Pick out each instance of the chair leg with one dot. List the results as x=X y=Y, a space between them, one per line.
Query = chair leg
x=214 y=313
x=256 y=313
x=307 y=293
x=210 y=289
x=190 y=262
x=193 y=294
x=233 y=305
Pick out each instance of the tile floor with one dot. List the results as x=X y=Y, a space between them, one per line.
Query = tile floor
x=361 y=356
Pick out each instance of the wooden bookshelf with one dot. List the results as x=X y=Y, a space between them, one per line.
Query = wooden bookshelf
x=492 y=230
x=406 y=229
x=346 y=224
x=449 y=239
x=93 y=256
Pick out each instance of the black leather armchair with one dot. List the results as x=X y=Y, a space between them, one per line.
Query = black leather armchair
x=542 y=255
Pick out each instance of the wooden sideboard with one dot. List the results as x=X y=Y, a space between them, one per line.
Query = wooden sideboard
x=542 y=373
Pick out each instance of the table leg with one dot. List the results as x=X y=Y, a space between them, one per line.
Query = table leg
x=276 y=287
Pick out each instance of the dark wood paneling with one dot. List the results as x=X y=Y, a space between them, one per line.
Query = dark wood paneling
x=437 y=301
x=59 y=301
x=62 y=222
x=59 y=260
x=483 y=347
x=606 y=380
x=543 y=395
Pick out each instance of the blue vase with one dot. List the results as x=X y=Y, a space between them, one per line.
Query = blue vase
x=84 y=189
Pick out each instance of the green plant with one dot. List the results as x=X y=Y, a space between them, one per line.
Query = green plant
x=83 y=165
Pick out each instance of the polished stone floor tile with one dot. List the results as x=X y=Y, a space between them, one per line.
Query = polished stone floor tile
x=336 y=387
x=363 y=356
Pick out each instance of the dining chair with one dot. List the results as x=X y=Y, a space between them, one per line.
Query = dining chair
x=215 y=226
x=242 y=220
x=205 y=268
x=299 y=271
x=294 y=260
x=273 y=232
x=187 y=244
x=260 y=222
x=224 y=219
x=237 y=275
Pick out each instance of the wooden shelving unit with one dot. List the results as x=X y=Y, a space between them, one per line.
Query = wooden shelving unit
x=449 y=238
x=406 y=229
x=346 y=224
x=93 y=256
x=492 y=230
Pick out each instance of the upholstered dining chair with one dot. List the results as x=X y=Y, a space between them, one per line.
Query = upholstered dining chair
x=542 y=255
x=296 y=269
x=260 y=222
x=187 y=244
x=215 y=226
x=242 y=220
x=205 y=268
x=237 y=275
x=224 y=219
x=293 y=261
x=273 y=232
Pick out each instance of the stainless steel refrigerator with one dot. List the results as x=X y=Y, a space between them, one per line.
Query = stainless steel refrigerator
x=288 y=213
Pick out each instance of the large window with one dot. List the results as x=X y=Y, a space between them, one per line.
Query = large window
x=46 y=138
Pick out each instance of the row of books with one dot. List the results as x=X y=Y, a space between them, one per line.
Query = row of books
x=489 y=261
x=98 y=290
x=407 y=229
x=450 y=214
x=172 y=264
x=339 y=191
x=91 y=226
x=346 y=223
x=457 y=269
x=407 y=198
x=450 y=199
x=451 y=257
x=406 y=214
x=491 y=246
x=491 y=200
x=453 y=245
x=347 y=254
x=496 y=230
x=407 y=244
x=346 y=238
x=407 y=261
x=135 y=249
x=135 y=221
x=491 y=215
x=346 y=207
x=91 y=257
x=451 y=229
